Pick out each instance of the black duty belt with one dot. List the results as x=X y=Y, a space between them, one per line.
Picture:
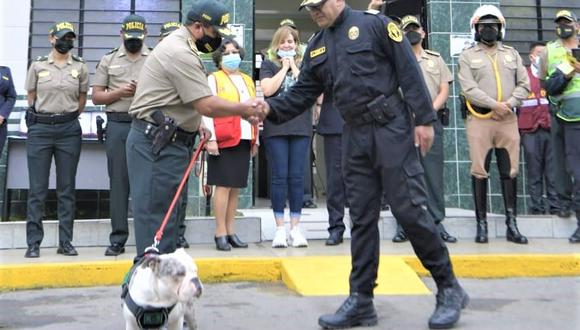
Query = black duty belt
x=148 y=129
x=381 y=110
x=121 y=117
x=52 y=118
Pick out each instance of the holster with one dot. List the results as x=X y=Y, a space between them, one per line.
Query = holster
x=443 y=115
x=381 y=110
x=29 y=117
x=101 y=131
x=463 y=106
x=163 y=133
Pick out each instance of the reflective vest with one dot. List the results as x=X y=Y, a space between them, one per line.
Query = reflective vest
x=228 y=130
x=569 y=101
x=534 y=112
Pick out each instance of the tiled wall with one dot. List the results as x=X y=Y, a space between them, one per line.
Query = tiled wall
x=447 y=18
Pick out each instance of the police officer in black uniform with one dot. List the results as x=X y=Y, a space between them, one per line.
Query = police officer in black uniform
x=364 y=59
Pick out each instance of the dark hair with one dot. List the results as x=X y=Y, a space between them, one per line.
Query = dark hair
x=536 y=44
x=218 y=54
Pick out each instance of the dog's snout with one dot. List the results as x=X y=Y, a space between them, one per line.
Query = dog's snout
x=198 y=286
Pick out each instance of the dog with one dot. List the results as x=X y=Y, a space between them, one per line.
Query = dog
x=160 y=292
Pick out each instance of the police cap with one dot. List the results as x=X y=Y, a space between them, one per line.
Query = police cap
x=409 y=20
x=168 y=27
x=311 y=3
x=134 y=27
x=213 y=13
x=566 y=14
x=61 y=29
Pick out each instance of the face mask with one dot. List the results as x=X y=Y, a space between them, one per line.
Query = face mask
x=133 y=45
x=286 y=53
x=208 y=44
x=489 y=35
x=231 y=61
x=63 y=46
x=565 y=31
x=414 y=37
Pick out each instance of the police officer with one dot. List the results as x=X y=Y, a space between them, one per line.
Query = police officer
x=7 y=100
x=437 y=77
x=561 y=72
x=364 y=59
x=494 y=82
x=114 y=85
x=171 y=96
x=57 y=87
x=167 y=28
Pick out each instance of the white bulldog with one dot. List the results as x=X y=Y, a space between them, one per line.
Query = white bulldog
x=166 y=286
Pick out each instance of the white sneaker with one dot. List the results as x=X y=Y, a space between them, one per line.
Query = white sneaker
x=298 y=240
x=280 y=238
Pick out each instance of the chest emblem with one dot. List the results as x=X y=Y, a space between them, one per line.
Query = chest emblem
x=353 y=33
x=508 y=58
x=430 y=64
x=42 y=74
x=74 y=73
x=318 y=51
x=394 y=32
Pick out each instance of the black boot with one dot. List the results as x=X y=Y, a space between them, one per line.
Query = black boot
x=357 y=310
x=480 y=201
x=509 y=189
x=450 y=302
x=400 y=235
x=575 y=238
x=445 y=236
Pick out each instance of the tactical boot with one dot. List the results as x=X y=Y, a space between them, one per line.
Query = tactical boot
x=357 y=310
x=400 y=235
x=575 y=238
x=450 y=302
x=445 y=236
x=480 y=201
x=508 y=189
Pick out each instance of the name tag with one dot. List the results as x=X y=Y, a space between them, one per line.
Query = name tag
x=317 y=52
x=43 y=74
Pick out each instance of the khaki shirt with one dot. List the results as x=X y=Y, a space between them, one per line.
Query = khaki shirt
x=116 y=70
x=478 y=78
x=171 y=79
x=58 y=88
x=435 y=72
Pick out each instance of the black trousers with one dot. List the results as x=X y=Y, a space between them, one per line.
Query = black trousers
x=154 y=180
x=63 y=142
x=539 y=170
x=384 y=157
x=117 y=133
x=572 y=138
x=433 y=166
x=563 y=181
x=335 y=195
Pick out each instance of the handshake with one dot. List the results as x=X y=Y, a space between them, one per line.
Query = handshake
x=255 y=110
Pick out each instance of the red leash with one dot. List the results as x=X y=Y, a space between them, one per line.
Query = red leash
x=159 y=233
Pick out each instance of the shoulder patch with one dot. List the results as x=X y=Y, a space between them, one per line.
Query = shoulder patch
x=78 y=59
x=432 y=52
x=113 y=51
x=41 y=58
x=394 y=32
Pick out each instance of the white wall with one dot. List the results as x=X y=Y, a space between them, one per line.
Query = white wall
x=14 y=31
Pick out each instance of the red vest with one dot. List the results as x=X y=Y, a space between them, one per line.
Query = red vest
x=534 y=112
x=228 y=130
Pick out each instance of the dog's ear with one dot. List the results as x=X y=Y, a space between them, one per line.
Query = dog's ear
x=151 y=262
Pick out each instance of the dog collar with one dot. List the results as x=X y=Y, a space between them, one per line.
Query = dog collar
x=148 y=317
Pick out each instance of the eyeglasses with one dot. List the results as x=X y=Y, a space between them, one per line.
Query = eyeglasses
x=316 y=7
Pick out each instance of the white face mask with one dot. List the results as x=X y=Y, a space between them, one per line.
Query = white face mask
x=535 y=66
x=286 y=53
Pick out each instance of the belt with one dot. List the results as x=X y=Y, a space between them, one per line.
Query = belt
x=361 y=119
x=122 y=117
x=380 y=110
x=149 y=129
x=52 y=118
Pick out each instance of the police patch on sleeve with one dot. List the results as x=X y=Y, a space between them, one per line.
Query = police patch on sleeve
x=394 y=32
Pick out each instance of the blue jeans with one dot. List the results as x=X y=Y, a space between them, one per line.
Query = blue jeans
x=286 y=156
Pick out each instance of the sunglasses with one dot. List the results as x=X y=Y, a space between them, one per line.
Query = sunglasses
x=316 y=7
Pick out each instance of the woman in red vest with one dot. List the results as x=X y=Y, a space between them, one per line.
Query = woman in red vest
x=232 y=143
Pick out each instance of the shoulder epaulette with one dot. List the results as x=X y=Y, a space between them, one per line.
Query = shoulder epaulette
x=432 y=52
x=41 y=58
x=372 y=12
x=113 y=51
x=78 y=59
x=508 y=47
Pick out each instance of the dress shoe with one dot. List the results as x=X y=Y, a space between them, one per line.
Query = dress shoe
x=357 y=310
x=564 y=213
x=309 y=204
x=236 y=242
x=385 y=207
x=67 y=249
x=445 y=235
x=450 y=302
x=400 y=236
x=33 y=251
x=334 y=238
x=114 y=250
x=182 y=242
x=221 y=243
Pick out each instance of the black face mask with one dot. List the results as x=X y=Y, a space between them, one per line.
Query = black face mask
x=489 y=35
x=414 y=37
x=63 y=46
x=133 y=45
x=208 y=44
x=565 y=31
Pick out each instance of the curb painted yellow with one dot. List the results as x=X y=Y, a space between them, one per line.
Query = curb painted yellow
x=82 y=274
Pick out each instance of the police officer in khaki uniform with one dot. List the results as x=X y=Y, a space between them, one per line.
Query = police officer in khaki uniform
x=437 y=77
x=171 y=96
x=494 y=82
x=114 y=85
x=167 y=28
x=57 y=87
